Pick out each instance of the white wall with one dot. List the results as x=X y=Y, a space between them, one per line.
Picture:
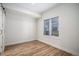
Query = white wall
x=19 y=28
x=68 y=39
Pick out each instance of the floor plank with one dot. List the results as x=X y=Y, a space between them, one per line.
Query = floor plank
x=34 y=48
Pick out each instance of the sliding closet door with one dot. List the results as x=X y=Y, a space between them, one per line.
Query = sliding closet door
x=1 y=29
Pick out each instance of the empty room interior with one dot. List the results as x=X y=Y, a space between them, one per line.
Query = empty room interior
x=39 y=29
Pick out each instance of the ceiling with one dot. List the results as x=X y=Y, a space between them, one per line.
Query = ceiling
x=34 y=9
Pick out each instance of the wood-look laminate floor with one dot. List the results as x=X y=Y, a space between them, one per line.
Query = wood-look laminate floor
x=34 y=48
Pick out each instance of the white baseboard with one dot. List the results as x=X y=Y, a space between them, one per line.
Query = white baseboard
x=64 y=49
x=13 y=43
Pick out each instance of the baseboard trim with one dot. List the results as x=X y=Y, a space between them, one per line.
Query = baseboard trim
x=16 y=43
x=61 y=48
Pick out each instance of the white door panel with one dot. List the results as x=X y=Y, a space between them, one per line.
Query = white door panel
x=0 y=11
x=0 y=18
x=1 y=30
x=0 y=22
x=0 y=43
